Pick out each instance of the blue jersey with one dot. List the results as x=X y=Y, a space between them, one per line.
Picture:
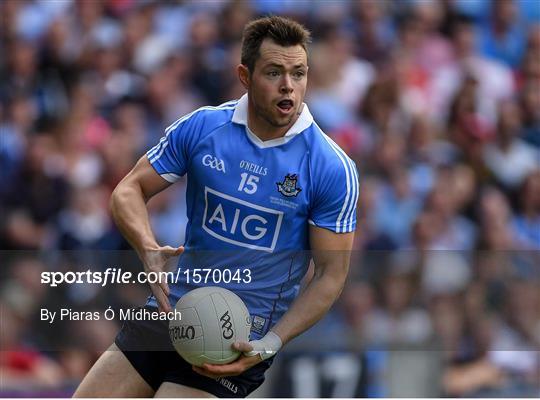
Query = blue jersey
x=250 y=203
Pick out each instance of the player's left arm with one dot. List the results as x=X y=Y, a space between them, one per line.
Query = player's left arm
x=331 y=255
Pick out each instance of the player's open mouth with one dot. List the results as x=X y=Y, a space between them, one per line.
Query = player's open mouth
x=285 y=105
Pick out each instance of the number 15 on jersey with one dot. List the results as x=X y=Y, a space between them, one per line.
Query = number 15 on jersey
x=248 y=184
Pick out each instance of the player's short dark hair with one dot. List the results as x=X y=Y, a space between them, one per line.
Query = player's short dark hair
x=283 y=31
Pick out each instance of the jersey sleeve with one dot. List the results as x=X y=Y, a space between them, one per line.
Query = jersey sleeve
x=336 y=197
x=170 y=157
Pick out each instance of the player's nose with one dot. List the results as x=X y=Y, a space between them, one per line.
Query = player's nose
x=286 y=84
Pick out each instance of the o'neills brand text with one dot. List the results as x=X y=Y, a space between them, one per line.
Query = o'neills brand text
x=252 y=167
x=228 y=384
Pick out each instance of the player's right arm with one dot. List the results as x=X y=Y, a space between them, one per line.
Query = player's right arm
x=128 y=208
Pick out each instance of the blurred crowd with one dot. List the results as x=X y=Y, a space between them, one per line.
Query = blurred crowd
x=438 y=102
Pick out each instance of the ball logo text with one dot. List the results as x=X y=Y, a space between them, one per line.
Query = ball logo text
x=226 y=326
x=182 y=332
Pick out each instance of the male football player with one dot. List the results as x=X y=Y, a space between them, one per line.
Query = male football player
x=265 y=186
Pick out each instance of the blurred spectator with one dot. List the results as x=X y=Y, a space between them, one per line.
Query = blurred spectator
x=84 y=224
x=396 y=208
x=468 y=130
x=424 y=231
x=456 y=232
x=506 y=362
x=397 y=321
x=530 y=106
x=372 y=26
x=527 y=221
x=17 y=122
x=427 y=148
x=510 y=159
x=128 y=140
x=357 y=302
x=23 y=76
x=494 y=80
x=502 y=36
x=339 y=82
x=494 y=216
x=445 y=272
x=22 y=366
x=38 y=195
x=166 y=207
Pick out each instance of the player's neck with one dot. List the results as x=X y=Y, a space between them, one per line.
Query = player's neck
x=264 y=130
x=267 y=134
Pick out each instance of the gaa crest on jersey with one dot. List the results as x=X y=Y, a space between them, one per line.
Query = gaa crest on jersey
x=288 y=187
x=258 y=324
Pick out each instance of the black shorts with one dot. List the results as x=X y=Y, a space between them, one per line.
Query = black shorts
x=147 y=346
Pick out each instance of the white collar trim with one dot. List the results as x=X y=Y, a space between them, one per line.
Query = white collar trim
x=240 y=115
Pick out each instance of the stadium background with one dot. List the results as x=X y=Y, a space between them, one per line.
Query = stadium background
x=438 y=102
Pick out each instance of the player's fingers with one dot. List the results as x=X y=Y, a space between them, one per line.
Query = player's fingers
x=242 y=346
x=232 y=369
x=161 y=298
x=172 y=251
x=165 y=288
x=158 y=291
x=203 y=372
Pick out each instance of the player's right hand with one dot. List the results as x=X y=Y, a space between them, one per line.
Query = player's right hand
x=235 y=368
x=155 y=260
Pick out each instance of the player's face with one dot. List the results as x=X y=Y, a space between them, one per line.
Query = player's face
x=277 y=87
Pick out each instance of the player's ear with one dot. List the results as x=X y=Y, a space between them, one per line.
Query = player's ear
x=243 y=75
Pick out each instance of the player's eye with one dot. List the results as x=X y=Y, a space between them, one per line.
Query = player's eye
x=299 y=74
x=273 y=74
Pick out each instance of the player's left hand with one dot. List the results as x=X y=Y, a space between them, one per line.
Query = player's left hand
x=238 y=366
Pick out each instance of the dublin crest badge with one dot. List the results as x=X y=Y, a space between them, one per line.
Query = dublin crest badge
x=288 y=186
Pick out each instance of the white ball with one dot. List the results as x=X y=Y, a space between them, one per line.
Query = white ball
x=213 y=318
